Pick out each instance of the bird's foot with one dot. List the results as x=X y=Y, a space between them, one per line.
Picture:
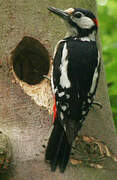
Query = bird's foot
x=47 y=77
x=97 y=104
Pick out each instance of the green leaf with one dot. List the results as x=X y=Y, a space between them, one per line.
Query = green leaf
x=108 y=31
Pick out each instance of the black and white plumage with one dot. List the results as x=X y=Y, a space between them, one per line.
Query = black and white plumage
x=75 y=76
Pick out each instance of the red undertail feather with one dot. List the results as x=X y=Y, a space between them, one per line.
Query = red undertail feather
x=54 y=111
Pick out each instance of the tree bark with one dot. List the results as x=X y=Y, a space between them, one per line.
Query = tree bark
x=27 y=124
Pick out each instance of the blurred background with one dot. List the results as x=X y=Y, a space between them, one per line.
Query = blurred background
x=107 y=13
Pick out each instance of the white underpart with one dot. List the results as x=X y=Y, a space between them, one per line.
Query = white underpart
x=64 y=81
x=95 y=76
x=71 y=31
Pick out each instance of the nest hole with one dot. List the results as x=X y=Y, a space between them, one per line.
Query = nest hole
x=30 y=61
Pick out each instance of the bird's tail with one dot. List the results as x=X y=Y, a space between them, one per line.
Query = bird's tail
x=58 y=149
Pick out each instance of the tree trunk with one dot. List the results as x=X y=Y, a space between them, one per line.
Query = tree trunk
x=26 y=123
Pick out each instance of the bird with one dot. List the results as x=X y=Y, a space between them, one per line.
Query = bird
x=74 y=81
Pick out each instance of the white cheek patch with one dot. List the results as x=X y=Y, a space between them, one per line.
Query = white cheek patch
x=84 y=22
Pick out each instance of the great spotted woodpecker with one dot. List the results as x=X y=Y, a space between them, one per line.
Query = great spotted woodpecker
x=75 y=75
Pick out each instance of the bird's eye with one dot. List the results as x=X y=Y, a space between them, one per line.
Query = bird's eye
x=77 y=15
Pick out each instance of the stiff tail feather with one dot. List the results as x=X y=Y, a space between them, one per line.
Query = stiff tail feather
x=58 y=149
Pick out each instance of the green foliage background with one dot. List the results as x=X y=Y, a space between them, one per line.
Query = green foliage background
x=108 y=30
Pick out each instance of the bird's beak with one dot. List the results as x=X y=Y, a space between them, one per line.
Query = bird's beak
x=63 y=14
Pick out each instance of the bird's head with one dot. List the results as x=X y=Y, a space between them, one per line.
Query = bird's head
x=81 y=22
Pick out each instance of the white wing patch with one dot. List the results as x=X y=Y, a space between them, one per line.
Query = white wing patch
x=64 y=81
x=67 y=96
x=61 y=94
x=64 y=108
x=55 y=50
x=95 y=76
x=61 y=116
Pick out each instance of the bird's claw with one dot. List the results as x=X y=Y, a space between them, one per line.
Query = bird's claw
x=97 y=104
x=47 y=77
